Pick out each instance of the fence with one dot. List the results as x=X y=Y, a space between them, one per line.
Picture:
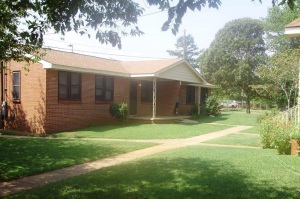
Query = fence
x=289 y=116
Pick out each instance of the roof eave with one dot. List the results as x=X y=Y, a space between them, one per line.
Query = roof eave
x=292 y=31
x=143 y=75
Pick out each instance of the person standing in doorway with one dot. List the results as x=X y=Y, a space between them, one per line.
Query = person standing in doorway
x=177 y=105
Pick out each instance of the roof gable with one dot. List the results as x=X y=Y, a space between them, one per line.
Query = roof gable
x=181 y=71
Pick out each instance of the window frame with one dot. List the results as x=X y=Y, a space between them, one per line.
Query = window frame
x=69 y=86
x=147 y=89
x=19 y=85
x=104 y=88
x=190 y=94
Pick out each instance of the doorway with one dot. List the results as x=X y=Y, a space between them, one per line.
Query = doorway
x=133 y=98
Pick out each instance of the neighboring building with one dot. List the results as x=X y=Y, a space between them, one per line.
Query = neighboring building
x=66 y=91
x=293 y=28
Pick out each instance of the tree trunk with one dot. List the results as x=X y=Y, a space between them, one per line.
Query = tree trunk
x=248 y=105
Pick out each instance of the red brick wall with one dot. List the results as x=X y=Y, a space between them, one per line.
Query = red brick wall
x=167 y=92
x=68 y=115
x=40 y=111
x=30 y=111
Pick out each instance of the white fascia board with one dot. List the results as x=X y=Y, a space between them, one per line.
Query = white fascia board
x=46 y=65
x=292 y=32
x=203 y=85
x=142 y=75
x=87 y=70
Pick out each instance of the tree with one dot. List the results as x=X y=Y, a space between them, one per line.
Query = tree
x=186 y=48
x=281 y=72
x=23 y=23
x=279 y=76
x=232 y=58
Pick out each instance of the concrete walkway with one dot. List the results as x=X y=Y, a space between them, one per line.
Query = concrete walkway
x=7 y=188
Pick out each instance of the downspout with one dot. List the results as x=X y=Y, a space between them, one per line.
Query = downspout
x=2 y=91
x=199 y=99
x=154 y=98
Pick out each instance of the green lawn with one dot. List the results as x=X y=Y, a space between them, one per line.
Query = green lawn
x=191 y=172
x=144 y=131
x=237 y=117
x=240 y=139
x=23 y=157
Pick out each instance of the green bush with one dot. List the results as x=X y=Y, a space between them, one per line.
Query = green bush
x=212 y=106
x=266 y=115
x=276 y=135
x=194 y=111
x=267 y=133
x=119 y=111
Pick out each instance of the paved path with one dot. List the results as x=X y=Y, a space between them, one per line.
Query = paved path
x=15 y=186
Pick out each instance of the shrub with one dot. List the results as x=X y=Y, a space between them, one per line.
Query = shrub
x=277 y=135
x=212 y=106
x=194 y=111
x=267 y=133
x=119 y=111
x=266 y=115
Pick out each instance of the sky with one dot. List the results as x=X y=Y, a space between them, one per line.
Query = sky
x=202 y=25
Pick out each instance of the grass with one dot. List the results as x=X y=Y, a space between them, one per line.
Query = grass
x=144 y=131
x=191 y=172
x=24 y=157
x=237 y=117
x=240 y=139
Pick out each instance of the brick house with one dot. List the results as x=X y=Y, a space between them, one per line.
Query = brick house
x=66 y=91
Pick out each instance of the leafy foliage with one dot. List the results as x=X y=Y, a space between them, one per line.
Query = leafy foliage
x=23 y=23
x=212 y=106
x=119 y=111
x=186 y=48
x=276 y=134
x=232 y=58
x=281 y=74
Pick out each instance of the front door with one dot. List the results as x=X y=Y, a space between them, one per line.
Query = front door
x=133 y=98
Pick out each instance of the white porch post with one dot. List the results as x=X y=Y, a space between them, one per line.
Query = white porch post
x=199 y=98
x=154 y=98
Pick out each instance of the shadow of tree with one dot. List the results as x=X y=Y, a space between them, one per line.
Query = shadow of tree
x=23 y=157
x=30 y=118
x=164 y=178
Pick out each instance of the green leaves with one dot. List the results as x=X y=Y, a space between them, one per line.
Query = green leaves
x=186 y=48
x=233 y=56
x=176 y=12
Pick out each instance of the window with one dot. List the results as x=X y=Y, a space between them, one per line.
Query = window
x=147 y=91
x=104 y=88
x=69 y=86
x=16 y=91
x=190 y=94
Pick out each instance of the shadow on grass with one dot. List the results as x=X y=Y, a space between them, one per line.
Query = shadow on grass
x=158 y=178
x=24 y=157
x=221 y=117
